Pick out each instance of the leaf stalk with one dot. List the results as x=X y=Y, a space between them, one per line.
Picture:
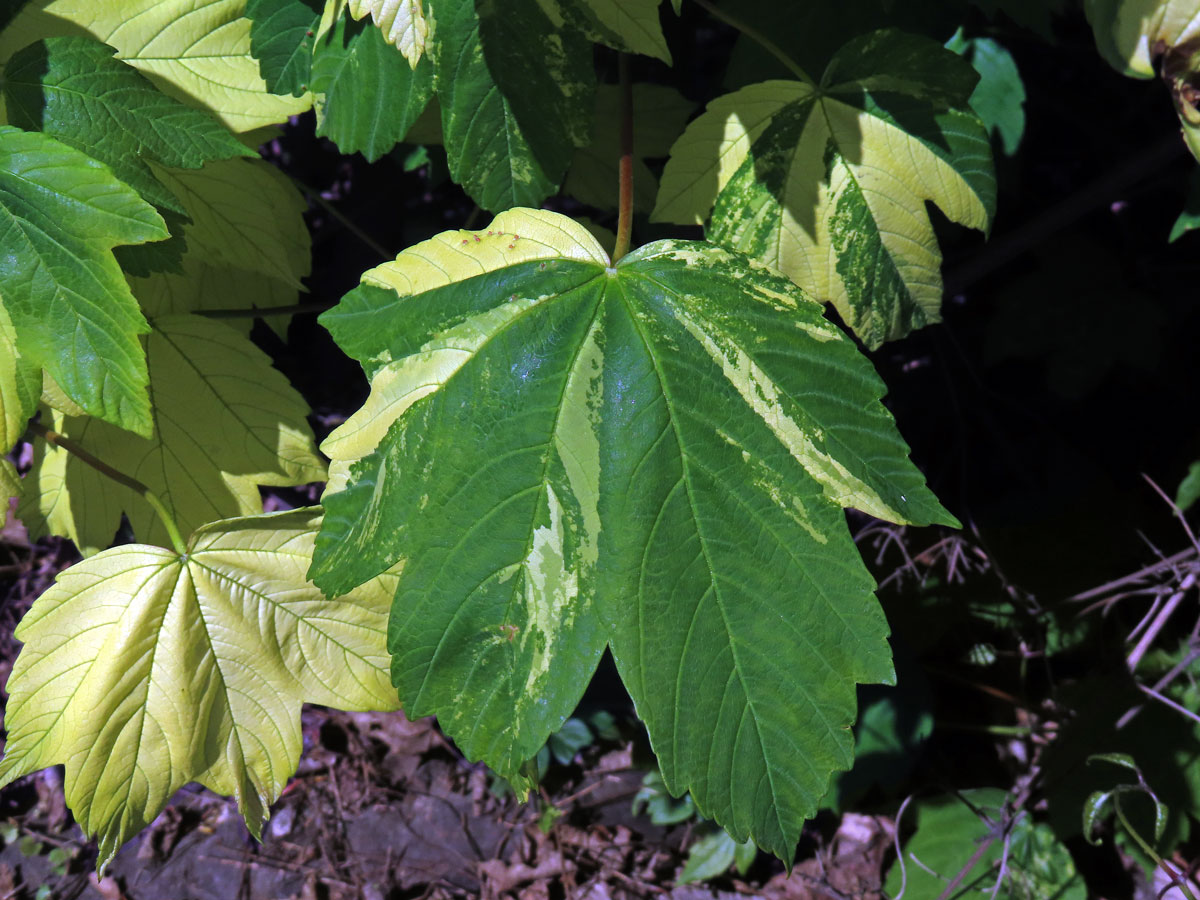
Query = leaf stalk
x=60 y=440
x=1176 y=881
x=625 y=209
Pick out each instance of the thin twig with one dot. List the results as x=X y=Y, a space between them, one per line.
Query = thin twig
x=1145 y=621
x=1160 y=621
x=1003 y=864
x=983 y=848
x=1163 y=683
x=315 y=196
x=1167 y=701
x=899 y=852
x=1175 y=510
x=1171 y=562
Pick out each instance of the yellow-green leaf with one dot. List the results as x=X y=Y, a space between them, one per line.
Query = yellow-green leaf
x=56 y=398
x=20 y=385
x=10 y=482
x=195 y=50
x=247 y=244
x=245 y=215
x=204 y=286
x=709 y=153
x=401 y=21
x=143 y=670
x=828 y=184
x=224 y=423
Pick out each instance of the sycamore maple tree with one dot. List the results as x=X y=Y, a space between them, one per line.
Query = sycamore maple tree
x=569 y=445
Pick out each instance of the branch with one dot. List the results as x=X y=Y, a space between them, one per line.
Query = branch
x=1160 y=621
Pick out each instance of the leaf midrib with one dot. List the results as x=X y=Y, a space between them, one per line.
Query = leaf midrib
x=649 y=348
x=599 y=304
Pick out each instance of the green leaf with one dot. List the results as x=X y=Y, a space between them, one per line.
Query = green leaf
x=1189 y=217
x=948 y=835
x=1040 y=866
x=999 y=98
x=143 y=670
x=20 y=387
x=1189 y=489
x=516 y=98
x=281 y=39
x=370 y=99
x=654 y=455
x=709 y=857
x=1095 y=801
x=224 y=423
x=1163 y=742
x=659 y=115
x=828 y=184
x=74 y=90
x=61 y=213
x=196 y=50
x=653 y=799
x=573 y=737
x=744 y=855
x=401 y=22
x=892 y=724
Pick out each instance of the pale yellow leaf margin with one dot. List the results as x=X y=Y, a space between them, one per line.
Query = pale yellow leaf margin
x=516 y=236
